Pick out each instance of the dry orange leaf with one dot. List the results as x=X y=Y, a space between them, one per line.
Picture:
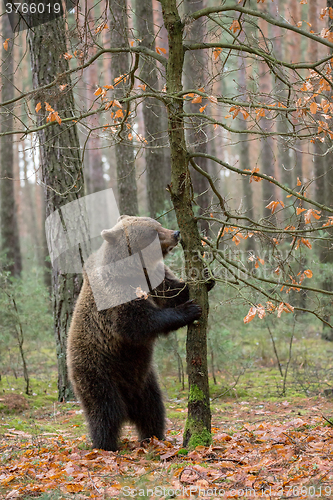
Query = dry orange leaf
x=308 y=273
x=311 y=213
x=273 y=205
x=108 y=105
x=250 y=315
x=38 y=107
x=244 y=113
x=5 y=44
x=197 y=99
x=313 y=108
x=255 y=178
x=306 y=243
x=160 y=50
x=236 y=239
x=48 y=107
x=261 y=311
x=53 y=117
x=235 y=26
x=119 y=79
x=203 y=108
x=74 y=487
x=119 y=113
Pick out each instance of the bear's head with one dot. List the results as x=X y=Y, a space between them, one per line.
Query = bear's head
x=133 y=234
x=130 y=260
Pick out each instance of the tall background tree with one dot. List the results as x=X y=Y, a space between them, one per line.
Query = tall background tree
x=10 y=241
x=123 y=80
x=155 y=158
x=60 y=165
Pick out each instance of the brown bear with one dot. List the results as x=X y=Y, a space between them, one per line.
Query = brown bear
x=112 y=334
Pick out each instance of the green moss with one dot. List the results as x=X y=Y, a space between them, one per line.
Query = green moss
x=202 y=438
x=182 y=451
x=196 y=394
x=199 y=435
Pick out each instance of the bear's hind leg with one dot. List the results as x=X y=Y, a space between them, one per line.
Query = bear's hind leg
x=147 y=411
x=105 y=419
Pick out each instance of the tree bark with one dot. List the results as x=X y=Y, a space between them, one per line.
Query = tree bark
x=198 y=424
x=10 y=241
x=126 y=179
x=324 y=182
x=154 y=153
x=281 y=92
x=195 y=74
x=244 y=154
x=61 y=169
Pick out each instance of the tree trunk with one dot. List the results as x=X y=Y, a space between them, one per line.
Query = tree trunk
x=154 y=153
x=61 y=169
x=281 y=92
x=244 y=154
x=93 y=164
x=324 y=184
x=126 y=179
x=10 y=241
x=267 y=154
x=198 y=424
x=195 y=75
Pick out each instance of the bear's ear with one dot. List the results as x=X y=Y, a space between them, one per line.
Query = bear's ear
x=108 y=235
x=122 y=217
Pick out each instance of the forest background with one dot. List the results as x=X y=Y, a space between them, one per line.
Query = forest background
x=234 y=141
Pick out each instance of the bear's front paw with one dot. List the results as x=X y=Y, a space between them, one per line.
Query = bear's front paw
x=191 y=311
x=210 y=283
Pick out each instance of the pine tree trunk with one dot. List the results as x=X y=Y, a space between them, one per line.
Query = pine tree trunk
x=195 y=75
x=10 y=242
x=154 y=153
x=61 y=169
x=198 y=425
x=324 y=185
x=244 y=153
x=126 y=178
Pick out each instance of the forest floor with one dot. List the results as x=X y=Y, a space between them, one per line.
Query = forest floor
x=260 y=449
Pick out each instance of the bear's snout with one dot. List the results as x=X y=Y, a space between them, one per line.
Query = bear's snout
x=176 y=235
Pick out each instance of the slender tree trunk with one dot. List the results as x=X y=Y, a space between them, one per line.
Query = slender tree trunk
x=93 y=164
x=154 y=152
x=244 y=155
x=281 y=91
x=267 y=154
x=195 y=74
x=126 y=179
x=197 y=429
x=10 y=242
x=61 y=169
x=324 y=186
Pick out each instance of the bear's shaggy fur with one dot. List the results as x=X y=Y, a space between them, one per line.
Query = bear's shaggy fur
x=109 y=352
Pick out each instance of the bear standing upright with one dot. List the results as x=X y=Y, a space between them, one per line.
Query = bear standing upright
x=110 y=347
